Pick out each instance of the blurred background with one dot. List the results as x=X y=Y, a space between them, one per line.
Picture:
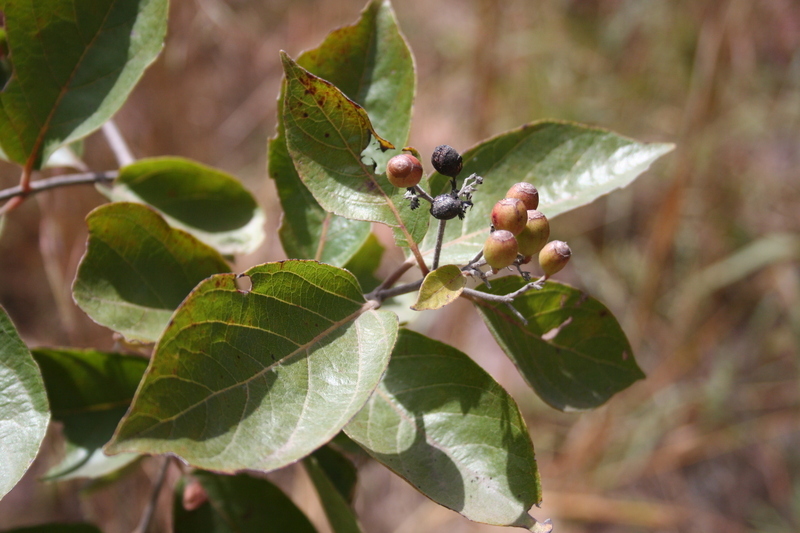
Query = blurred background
x=699 y=258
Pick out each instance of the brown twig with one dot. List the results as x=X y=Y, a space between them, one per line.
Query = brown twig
x=18 y=193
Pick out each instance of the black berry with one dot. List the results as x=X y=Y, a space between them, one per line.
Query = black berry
x=446 y=160
x=446 y=206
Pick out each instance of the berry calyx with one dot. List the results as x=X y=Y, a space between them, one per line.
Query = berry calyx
x=510 y=214
x=404 y=171
x=446 y=206
x=553 y=257
x=534 y=235
x=500 y=249
x=525 y=192
x=446 y=160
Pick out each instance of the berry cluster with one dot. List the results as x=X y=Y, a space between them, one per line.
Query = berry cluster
x=518 y=230
x=405 y=171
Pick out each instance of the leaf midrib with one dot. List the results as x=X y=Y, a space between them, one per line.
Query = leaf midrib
x=300 y=348
x=44 y=128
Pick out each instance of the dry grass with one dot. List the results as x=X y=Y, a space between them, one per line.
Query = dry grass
x=698 y=259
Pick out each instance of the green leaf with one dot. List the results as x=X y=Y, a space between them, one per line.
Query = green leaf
x=89 y=392
x=371 y=63
x=442 y=423
x=439 y=288
x=75 y=62
x=210 y=204
x=573 y=351
x=365 y=261
x=570 y=164
x=24 y=414
x=326 y=133
x=340 y=516
x=137 y=270
x=338 y=469
x=238 y=504
x=256 y=380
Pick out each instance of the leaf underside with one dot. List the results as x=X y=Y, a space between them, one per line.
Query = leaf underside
x=371 y=64
x=25 y=412
x=442 y=423
x=326 y=133
x=257 y=380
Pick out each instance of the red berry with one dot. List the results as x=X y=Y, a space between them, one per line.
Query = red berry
x=525 y=192
x=534 y=235
x=553 y=257
x=500 y=249
x=404 y=170
x=509 y=214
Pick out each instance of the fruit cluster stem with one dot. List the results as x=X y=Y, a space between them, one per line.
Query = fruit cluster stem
x=437 y=251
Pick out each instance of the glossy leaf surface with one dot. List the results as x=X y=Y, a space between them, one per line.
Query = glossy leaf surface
x=137 y=270
x=257 y=380
x=439 y=288
x=208 y=203
x=24 y=412
x=75 y=62
x=238 y=504
x=573 y=351
x=571 y=165
x=442 y=423
x=326 y=133
x=89 y=392
x=369 y=62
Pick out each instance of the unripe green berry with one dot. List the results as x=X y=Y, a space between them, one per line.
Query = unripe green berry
x=404 y=171
x=525 y=192
x=500 y=249
x=553 y=257
x=446 y=160
x=534 y=235
x=509 y=214
x=445 y=207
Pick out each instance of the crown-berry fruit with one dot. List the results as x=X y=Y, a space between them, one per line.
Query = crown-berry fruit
x=553 y=257
x=509 y=214
x=447 y=206
x=525 y=192
x=446 y=160
x=500 y=249
x=404 y=171
x=534 y=235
